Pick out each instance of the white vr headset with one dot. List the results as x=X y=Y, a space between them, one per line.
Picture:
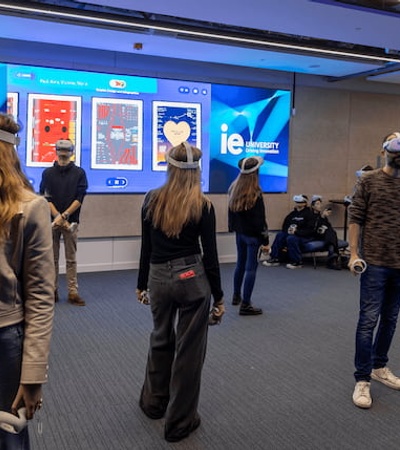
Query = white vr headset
x=299 y=199
x=13 y=424
x=392 y=145
x=10 y=138
x=189 y=164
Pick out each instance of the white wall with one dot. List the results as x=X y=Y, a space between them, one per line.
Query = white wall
x=99 y=255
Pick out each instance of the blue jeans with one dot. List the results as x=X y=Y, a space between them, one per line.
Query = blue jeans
x=293 y=243
x=379 y=301
x=11 y=340
x=279 y=243
x=246 y=265
x=294 y=247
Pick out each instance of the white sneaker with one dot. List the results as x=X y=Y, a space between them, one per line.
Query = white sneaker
x=271 y=262
x=294 y=265
x=386 y=376
x=361 y=395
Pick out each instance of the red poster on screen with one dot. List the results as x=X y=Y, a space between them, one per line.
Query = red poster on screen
x=50 y=118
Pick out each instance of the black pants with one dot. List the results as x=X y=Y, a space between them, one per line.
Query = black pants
x=331 y=241
x=180 y=303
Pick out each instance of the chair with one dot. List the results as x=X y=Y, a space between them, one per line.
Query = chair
x=318 y=248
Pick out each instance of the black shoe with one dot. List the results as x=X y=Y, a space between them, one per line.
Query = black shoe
x=74 y=299
x=334 y=264
x=236 y=299
x=249 y=310
x=152 y=412
x=178 y=437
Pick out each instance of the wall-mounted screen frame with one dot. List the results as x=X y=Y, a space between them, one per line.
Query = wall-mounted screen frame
x=122 y=126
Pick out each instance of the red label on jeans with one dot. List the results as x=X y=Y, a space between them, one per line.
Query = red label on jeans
x=188 y=274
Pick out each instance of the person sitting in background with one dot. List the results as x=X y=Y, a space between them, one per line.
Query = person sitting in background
x=297 y=229
x=359 y=173
x=323 y=231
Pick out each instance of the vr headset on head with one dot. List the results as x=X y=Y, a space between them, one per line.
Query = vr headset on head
x=392 y=145
x=300 y=198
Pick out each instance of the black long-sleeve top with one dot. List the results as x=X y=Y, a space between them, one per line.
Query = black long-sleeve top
x=304 y=219
x=61 y=185
x=158 y=248
x=250 y=222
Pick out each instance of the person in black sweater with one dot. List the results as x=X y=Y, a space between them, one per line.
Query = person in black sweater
x=64 y=185
x=323 y=231
x=246 y=217
x=180 y=277
x=297 y=229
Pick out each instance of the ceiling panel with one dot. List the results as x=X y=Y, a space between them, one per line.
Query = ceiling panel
x=301 y=19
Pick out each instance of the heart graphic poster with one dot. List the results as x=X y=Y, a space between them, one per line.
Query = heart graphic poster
x=173 y=123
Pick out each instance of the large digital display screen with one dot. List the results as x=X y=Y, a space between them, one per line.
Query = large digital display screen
x=122 y=126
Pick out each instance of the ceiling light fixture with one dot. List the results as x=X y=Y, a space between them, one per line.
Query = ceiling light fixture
x=88 y=18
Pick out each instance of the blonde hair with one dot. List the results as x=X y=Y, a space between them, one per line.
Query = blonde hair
x=14 y=186
x=243 y=192
x=180 y=200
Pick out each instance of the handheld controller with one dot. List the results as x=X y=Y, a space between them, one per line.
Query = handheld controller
x=13 y=424
x=359 y=266
x=144 y=298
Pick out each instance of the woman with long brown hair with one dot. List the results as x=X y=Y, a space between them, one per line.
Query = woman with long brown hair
x=246 y=217
x=179 y=266
x=26 y=293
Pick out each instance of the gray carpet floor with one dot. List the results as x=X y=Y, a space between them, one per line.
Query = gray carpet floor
x=279 y=381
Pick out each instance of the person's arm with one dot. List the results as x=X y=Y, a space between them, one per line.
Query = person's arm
x=210 y=253
x=145 y=251
x=261 y=223
x=354 y=239
x=76 y=204
x=38 y=297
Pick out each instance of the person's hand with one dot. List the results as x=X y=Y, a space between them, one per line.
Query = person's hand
x=357 y=265
x=58 y=221
x=143 y=296
x=265 y=248
x=216 y=313
x=30 y=396
x=326 y=212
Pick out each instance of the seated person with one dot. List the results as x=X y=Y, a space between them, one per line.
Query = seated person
x=359 y=173
x=323 y=231
x=297 y=229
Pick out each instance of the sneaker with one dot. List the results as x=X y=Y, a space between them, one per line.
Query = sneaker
x=249 y=310
x=271 y=262
x=334 y=264
x=361 y=395
x=236 y=299
x=76 y=300
x=386 y=376
x=294 y=265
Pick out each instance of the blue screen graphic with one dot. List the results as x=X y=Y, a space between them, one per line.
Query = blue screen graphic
x=123 y=125
x=249 y=122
